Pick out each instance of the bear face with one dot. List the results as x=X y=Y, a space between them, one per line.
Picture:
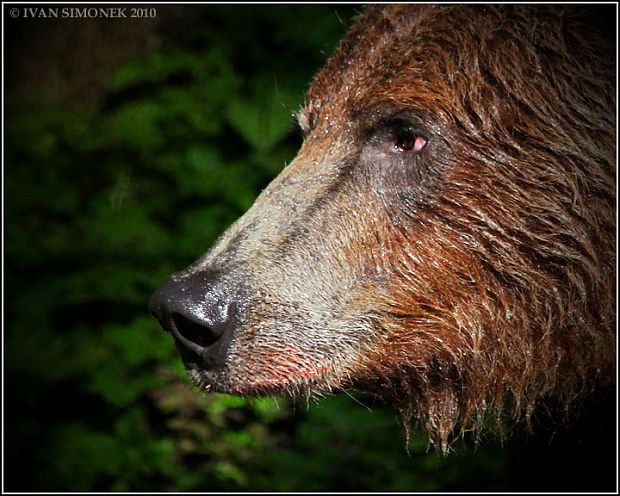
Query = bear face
x=445 y=237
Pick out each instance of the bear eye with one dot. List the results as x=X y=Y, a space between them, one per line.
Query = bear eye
x=408 y=141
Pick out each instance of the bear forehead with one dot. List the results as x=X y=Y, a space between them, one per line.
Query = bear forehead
x=375 y=47
x=426 y=57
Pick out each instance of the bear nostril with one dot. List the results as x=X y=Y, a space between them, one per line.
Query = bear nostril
x=201 y=320
x=197 y=333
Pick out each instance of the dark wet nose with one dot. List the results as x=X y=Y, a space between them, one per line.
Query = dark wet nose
x=198 y=316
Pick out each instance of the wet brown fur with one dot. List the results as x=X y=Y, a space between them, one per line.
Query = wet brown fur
x=474 y=279
x=509 y=297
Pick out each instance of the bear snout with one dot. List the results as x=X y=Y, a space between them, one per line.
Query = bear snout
x=199 y=317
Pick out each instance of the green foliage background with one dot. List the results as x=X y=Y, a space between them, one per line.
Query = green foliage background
x=106 y=193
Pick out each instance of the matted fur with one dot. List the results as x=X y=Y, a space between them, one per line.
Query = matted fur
x=474 y=277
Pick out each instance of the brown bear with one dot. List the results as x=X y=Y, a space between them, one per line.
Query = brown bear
x=445 y=238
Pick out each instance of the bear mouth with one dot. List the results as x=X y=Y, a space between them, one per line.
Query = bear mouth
x=292 y=374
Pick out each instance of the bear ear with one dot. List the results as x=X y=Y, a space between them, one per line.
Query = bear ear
x=306 y=119
x=303 y=120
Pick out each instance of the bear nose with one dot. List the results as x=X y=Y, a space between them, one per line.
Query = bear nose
x=199 y=318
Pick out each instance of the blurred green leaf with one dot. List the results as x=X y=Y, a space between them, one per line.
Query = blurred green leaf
x=265 y=117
